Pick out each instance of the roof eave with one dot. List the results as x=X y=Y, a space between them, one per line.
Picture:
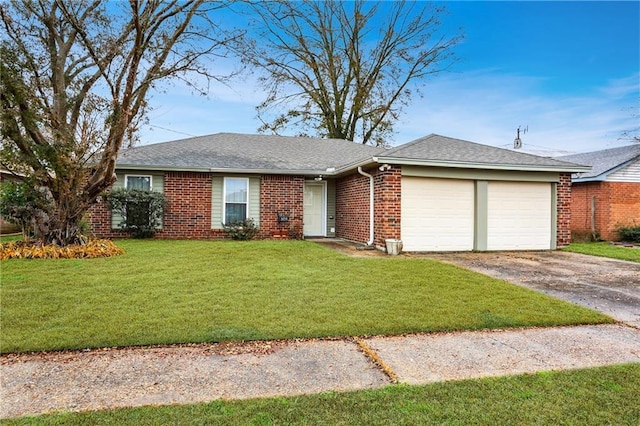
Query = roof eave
x=490 y=166
x=229 y=170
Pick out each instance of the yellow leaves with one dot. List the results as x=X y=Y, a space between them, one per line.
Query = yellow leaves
x=93 y=249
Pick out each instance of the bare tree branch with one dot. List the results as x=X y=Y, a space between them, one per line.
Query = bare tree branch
x=353 y=65
x=77 y=87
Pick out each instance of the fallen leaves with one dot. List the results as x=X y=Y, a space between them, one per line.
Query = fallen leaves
x=92 y=249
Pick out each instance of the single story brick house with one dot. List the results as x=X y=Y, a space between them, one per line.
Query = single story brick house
x=608 y=196
x=435 y=193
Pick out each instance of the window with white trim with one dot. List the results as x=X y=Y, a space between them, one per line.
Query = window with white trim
x=236 y=199
x=142 y=182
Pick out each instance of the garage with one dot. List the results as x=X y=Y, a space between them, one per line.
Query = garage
x=440 y=214
x=437 y=214
x=519 y=216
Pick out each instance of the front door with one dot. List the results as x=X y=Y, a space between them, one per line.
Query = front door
x=314 y=208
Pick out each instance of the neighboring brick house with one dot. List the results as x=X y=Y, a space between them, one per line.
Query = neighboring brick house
x=435 y=193
x=607 y=197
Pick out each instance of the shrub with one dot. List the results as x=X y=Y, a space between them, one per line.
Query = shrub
x=629 y=233
x=241 y=229
x=23 y=204
x=141 y=210
x=92 y=249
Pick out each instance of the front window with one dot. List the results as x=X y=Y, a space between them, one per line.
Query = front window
x=138 y=182
x=236 y=199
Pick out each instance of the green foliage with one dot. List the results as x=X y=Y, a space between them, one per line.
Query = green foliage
x=629 y=233
x=58 y=124
x=23 y=204
x=242 y=230
x=141 y=210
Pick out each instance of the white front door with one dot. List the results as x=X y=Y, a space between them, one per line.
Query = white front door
x=314 y=208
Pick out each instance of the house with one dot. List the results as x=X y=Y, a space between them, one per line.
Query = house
x=608 y=196
x=435 y=193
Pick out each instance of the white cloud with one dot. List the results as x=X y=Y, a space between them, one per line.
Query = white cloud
x=485 y=106
x=488 y=107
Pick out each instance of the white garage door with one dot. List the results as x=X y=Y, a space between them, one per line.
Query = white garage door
x=519 y=216
x=437 y=214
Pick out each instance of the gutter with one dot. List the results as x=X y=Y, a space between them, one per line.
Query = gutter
x=224 y=170
x=371 y=210
x=467 y=165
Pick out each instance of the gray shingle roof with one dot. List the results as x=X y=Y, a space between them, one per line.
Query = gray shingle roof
x=450 y=150
x=605 y=161
x=302 y=155
x=248 y=152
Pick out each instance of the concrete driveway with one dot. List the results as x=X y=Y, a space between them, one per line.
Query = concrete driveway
x=606 y=285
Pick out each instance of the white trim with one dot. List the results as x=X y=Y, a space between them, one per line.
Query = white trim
x=126 y=180
x=490 y=166
x=224 y=196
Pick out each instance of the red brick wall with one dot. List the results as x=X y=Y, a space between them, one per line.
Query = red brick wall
x=281 y=194
x=625 y=205
x=563 y=237
x=352 y=206
x=387 y=201
x=100 y=221
x=616 y=204
x=188 y=213
x=187 y=216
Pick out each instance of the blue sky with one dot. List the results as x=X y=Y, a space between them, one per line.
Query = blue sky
x=568 y=71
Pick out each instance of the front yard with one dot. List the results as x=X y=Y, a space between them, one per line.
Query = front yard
x=605 y=249
x=163 y=292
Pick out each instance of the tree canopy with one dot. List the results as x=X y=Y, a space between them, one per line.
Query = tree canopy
x=344 y=69
x=75 y=77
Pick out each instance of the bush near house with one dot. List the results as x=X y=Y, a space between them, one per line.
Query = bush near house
x=141 y=210
x=242 y=230
x=629 y=233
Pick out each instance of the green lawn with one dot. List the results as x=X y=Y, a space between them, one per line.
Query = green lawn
x=598 y=396
x=163 y=292
x=606 y=250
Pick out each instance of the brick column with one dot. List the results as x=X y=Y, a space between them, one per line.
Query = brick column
x=387 y=197
x=563 y=237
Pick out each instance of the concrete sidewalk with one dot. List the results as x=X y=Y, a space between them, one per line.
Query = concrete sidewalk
x=101 y=379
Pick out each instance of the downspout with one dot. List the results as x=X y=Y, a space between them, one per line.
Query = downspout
x=370 y=242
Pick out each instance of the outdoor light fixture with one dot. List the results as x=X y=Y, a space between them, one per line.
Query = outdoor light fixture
x=318 y=179
x=384 y=167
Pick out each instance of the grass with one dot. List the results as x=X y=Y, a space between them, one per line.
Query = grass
x=606 y=395
x=606 y=250
x=163 y=292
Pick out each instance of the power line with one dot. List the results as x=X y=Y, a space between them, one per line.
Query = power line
x=171 y=130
